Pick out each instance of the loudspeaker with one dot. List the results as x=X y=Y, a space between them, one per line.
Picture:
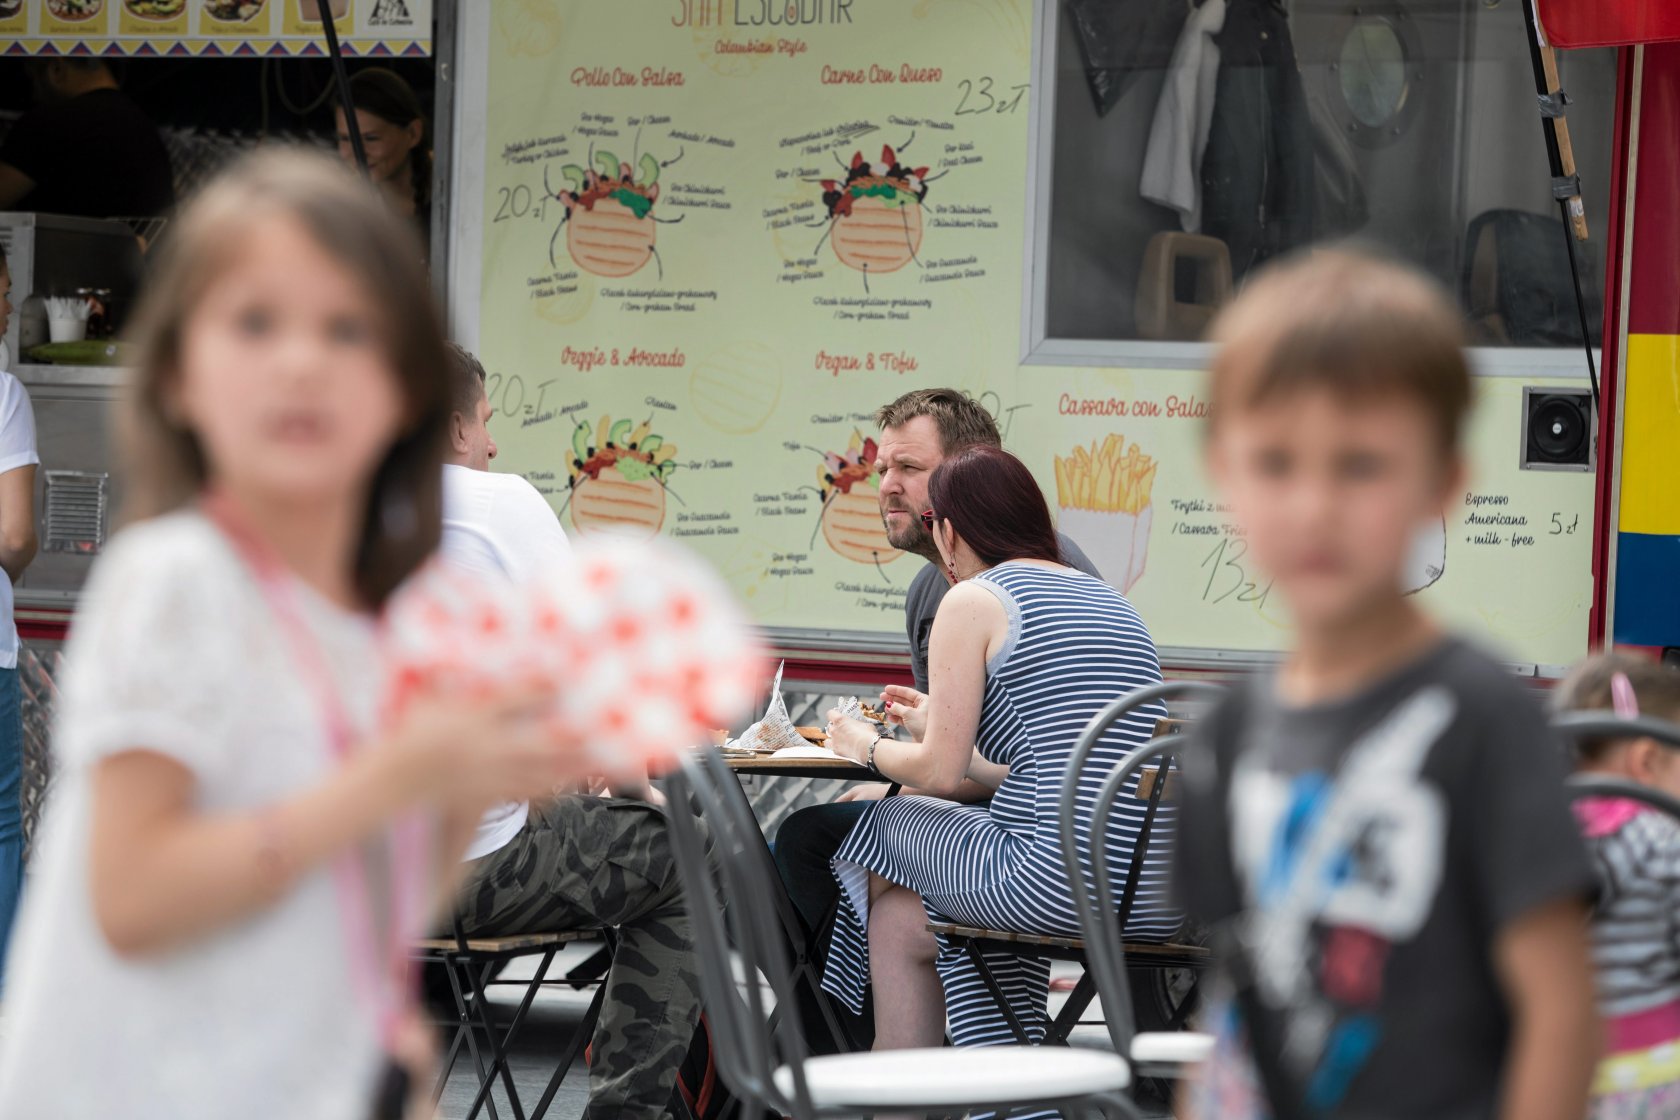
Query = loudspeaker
x=1559 y=432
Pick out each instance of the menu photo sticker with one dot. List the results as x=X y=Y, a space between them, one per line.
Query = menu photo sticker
x=391 y=15
x=84 y=18
x=1106 y=502
x=14 y=20
x=235 y=17
x=303 y=17
x=153 y=17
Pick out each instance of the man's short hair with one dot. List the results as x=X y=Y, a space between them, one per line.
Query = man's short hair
x=1350 y=322
x=963 y=422
x=466 y=380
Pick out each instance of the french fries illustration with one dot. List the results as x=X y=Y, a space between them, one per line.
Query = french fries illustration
x=618 y=472
x=1106 y=501
x=851 y=512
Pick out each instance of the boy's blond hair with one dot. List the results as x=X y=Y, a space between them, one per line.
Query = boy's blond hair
x=1348 y=321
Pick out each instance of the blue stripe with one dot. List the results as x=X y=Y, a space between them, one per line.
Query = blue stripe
x=1647 y=590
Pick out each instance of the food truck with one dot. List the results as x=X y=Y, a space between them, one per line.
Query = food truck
x=727 y=230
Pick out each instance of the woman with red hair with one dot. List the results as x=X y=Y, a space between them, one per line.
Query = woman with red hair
x=1024 y=652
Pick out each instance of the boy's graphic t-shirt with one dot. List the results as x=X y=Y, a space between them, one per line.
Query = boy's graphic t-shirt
x=1366 y=854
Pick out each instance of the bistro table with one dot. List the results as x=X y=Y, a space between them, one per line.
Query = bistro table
x=803 y=943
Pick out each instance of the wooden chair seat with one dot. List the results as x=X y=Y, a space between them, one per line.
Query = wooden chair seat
x=519 y=943
x=1142 y=949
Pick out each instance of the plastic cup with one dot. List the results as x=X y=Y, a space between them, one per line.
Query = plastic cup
x=67 y=330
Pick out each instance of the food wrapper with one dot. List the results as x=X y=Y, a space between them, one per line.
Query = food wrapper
x=643 y=646
x=776 y=730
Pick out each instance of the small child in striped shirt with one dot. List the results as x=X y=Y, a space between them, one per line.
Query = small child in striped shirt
x=1636 y=925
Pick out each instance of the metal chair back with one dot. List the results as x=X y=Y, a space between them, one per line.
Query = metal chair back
x=1102 y=921
x=727 y=890
x=1576 y=726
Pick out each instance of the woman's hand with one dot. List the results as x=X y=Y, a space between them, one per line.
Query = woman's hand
x=850 y=738
x=906 y=708
x=448 y=752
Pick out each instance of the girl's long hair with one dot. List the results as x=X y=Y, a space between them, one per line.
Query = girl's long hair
x=163 y=463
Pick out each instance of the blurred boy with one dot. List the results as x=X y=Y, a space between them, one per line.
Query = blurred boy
x=1377 y=831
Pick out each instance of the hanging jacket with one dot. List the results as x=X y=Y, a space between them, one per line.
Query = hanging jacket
x=1257 y=169
x=1172 y=161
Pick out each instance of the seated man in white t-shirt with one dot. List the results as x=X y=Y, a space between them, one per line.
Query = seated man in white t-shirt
x=577 y=862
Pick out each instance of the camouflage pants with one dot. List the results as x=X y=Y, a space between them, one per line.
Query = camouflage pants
x=587 y=862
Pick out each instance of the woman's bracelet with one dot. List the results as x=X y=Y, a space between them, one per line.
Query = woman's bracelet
x=879 y=735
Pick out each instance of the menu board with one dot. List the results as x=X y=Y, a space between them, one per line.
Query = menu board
x=718 y=234
x=211 y=28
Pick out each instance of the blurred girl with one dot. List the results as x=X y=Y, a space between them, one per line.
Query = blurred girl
x=1636 y=926
x=217 y=920
x=395 y=140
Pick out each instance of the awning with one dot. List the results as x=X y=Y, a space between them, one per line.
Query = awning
x=213 y=28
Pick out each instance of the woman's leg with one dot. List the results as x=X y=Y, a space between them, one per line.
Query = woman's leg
x=909 y=1000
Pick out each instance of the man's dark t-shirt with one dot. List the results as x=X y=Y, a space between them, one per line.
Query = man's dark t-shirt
x=928 y=589
x=1368 y=853
x=95 y=155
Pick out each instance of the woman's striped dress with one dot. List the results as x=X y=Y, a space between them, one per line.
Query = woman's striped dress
x=1074 y=645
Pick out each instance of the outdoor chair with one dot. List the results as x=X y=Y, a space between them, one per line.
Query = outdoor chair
x=1156 y=964
x=770 y=1067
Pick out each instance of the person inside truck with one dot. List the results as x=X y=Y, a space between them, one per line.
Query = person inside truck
x=395 y=141
x=85 y=149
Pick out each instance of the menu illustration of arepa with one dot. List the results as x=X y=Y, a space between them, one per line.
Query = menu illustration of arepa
x=875 y=216
x=1107 y=506
x=851 y=511
x=609 y=222
x=618 y=472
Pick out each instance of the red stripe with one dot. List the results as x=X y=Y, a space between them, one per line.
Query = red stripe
x=1610 y=369
x=1654 y=291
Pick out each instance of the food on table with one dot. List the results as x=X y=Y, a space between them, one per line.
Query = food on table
x=609 y=214
x=155 y=9
x=1107 y=505
x=617 y=474
x=813 y=735
x=75 y=10
x=851 y=512
x=875 y=216
x=233 y=11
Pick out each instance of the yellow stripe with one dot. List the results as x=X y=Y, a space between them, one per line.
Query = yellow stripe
x=1651 y=436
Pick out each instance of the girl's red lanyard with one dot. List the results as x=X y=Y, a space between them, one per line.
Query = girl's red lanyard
x=383 y=980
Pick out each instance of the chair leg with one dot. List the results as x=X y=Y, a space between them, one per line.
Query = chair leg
x=585 y=1029
x=481 y=1003
x=1078 y=1000
x=978 y=959
x=485 y=1077
x=453 y=1054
